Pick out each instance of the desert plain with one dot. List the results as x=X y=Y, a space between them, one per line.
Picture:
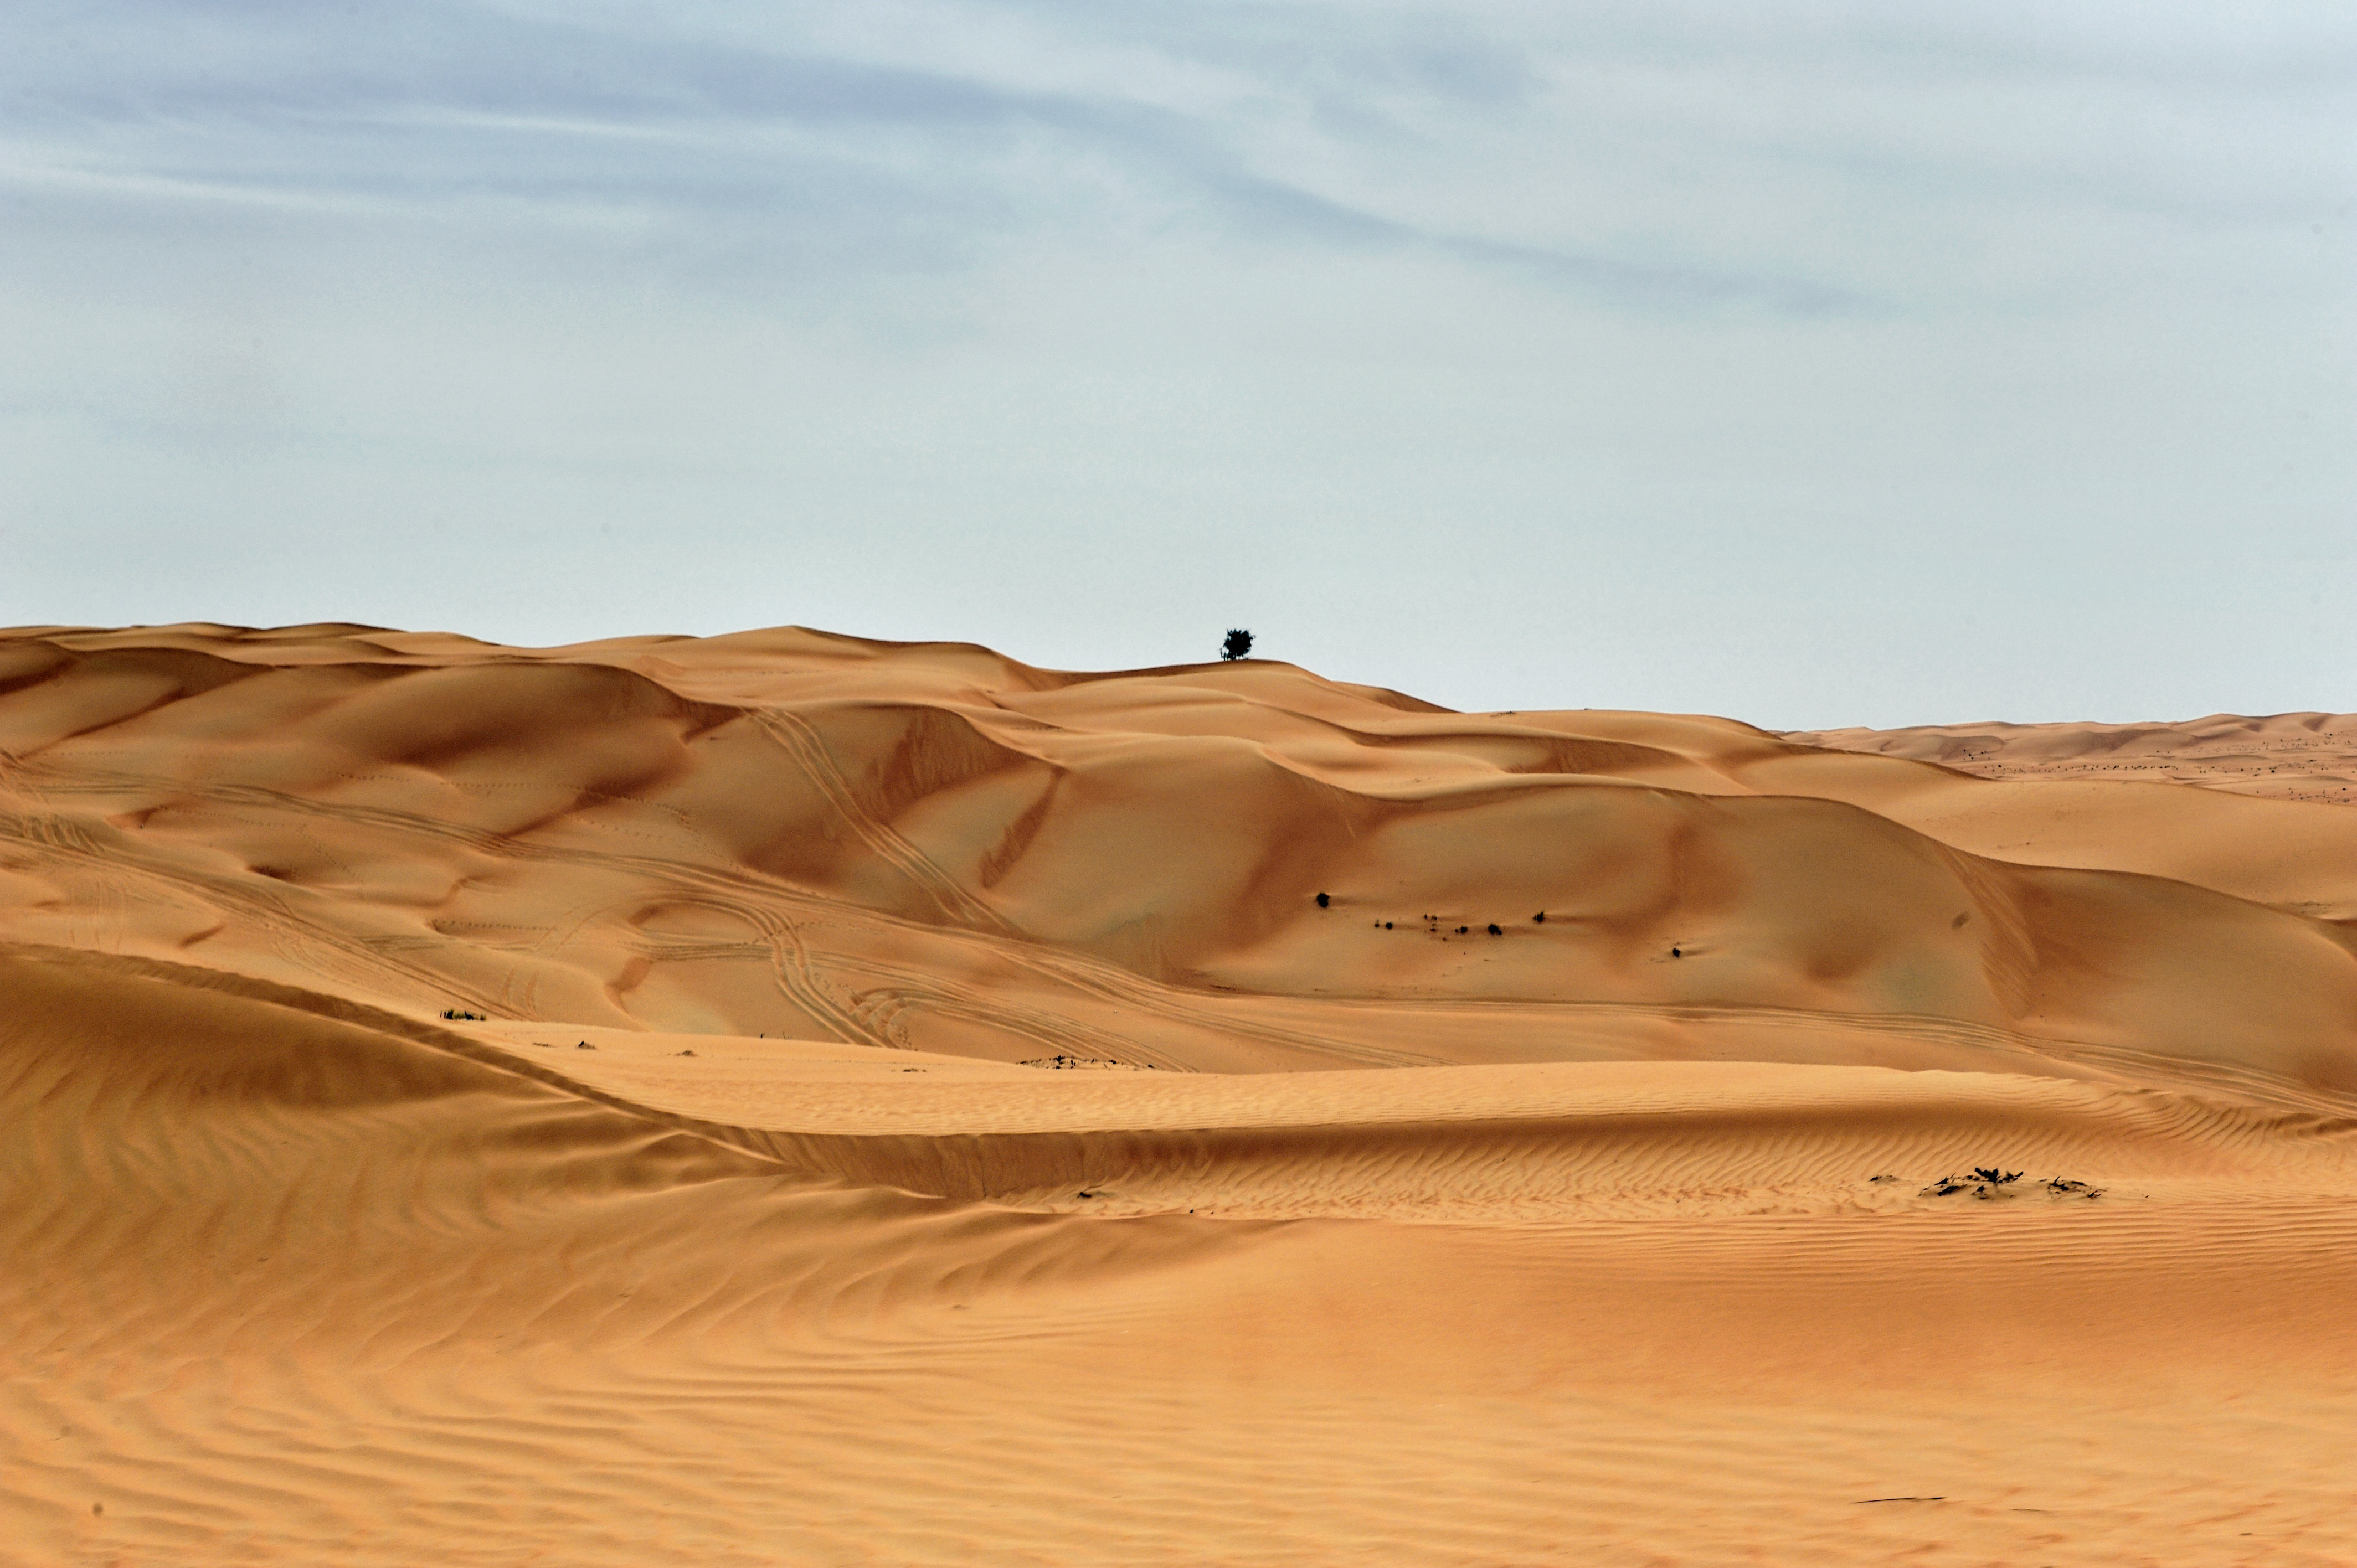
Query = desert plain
x=787 y=1099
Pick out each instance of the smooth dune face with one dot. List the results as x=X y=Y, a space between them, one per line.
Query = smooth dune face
x=921 y=1110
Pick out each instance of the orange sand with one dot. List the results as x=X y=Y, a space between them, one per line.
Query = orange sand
x=737 y=1230
x=2290 y=757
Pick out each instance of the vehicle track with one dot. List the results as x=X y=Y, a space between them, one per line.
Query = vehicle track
x=800 y=740
x=781 y=911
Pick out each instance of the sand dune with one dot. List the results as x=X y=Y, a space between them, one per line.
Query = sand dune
x=782 y=1099
x=2284 y=757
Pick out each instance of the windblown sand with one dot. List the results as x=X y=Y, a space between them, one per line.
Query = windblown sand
x=906 y=1107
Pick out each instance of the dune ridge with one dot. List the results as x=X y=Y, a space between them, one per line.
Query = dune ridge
x=2283 y=757
x=783 y=1097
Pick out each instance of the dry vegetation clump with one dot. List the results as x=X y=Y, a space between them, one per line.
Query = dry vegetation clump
x=1099 y=1064
x=1990 y=1181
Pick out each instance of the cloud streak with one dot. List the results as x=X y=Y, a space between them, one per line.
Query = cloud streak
x=1280 y=125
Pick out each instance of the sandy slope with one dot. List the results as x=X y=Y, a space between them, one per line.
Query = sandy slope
x=2286 y=757
x=736 y=1232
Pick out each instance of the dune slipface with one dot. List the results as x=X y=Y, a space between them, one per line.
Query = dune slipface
x=787 y=1099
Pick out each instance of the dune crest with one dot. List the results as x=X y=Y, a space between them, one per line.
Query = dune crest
x=713 y=1099
x=2281 y=756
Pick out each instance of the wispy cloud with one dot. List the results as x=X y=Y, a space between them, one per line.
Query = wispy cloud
x=1276 y=125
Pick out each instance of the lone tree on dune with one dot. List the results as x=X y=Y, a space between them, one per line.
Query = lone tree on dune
x=1238 y=645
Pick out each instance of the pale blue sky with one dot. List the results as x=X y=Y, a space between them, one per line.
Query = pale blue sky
x=1810 y=363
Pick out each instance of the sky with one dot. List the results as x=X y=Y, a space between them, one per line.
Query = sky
x=1815 y=364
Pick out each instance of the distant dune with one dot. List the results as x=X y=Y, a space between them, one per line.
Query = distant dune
x=2289 y=757
x=783 y=1099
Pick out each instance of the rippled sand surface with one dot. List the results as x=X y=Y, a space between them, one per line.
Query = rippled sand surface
x=781 y=1099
